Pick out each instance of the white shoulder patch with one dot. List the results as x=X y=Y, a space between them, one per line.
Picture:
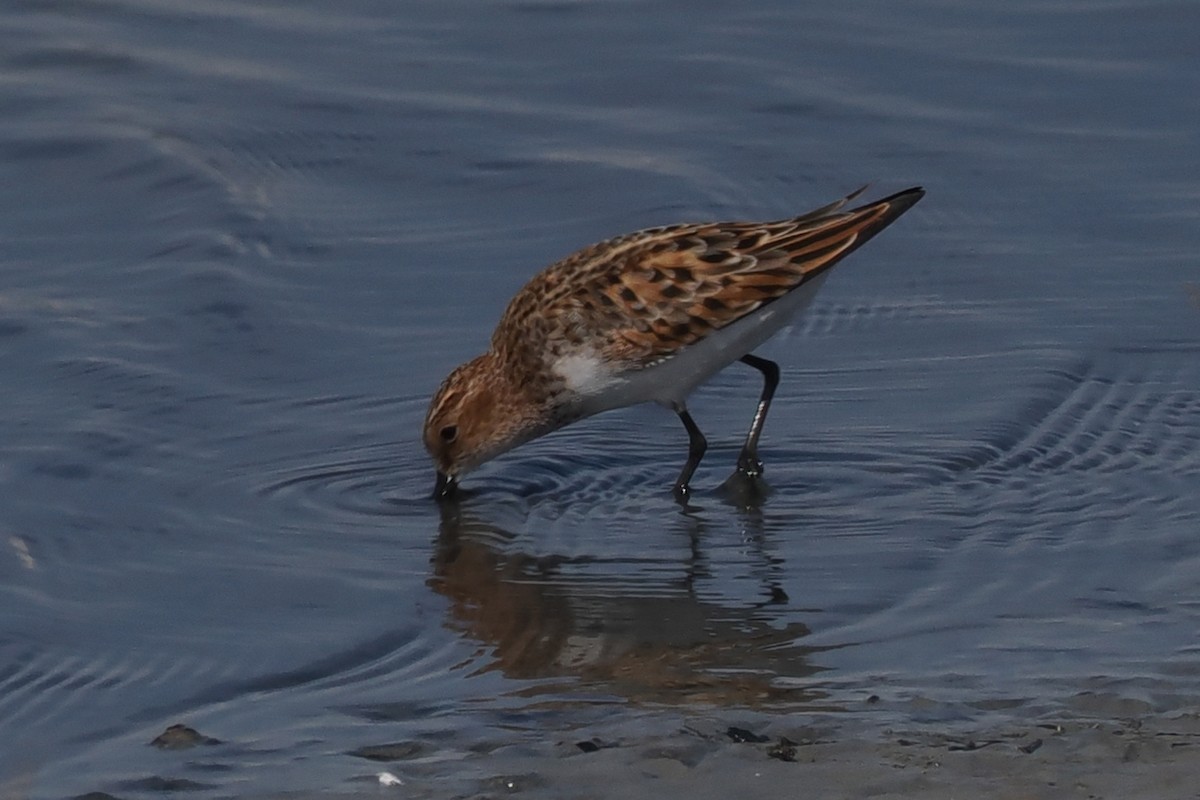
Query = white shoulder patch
x=584 y=373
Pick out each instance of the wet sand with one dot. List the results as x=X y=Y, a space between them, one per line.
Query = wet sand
x=1097 y=745
x=1092 y=744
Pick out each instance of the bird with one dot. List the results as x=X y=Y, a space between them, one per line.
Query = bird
x=643 y=317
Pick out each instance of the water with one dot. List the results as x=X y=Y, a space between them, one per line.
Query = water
x=241 y=243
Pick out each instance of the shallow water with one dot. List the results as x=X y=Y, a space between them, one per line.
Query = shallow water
x=241 y=243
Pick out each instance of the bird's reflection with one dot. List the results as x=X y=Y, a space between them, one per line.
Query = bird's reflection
x=614 y=627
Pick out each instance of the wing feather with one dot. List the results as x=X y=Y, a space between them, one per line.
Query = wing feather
x=639 y=298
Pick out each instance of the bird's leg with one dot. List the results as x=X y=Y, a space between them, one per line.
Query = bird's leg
x=697 y=444
x=748 y=463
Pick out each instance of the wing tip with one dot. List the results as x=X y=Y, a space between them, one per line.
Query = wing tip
x=901 y=201
x=886 y=210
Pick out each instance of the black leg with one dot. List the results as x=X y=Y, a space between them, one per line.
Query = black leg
x=697 y=444
x=748 y=462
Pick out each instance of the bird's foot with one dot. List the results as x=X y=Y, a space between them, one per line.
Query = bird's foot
x=749 y=465
x=746 y=488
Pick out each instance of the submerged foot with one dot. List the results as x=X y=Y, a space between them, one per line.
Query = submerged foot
x=682 y=493
x=746 y=488
x=749 y=464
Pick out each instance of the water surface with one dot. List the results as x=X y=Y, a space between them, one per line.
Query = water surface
x=241 y=243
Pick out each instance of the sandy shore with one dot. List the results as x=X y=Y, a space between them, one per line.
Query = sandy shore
x=1079 y=753
x=1091 y=745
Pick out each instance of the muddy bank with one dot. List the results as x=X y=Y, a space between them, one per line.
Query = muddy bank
x=1095 y=745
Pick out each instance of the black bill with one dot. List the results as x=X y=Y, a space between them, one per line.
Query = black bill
x=445 y=486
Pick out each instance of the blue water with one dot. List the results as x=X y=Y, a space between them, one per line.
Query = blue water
x=242 y=242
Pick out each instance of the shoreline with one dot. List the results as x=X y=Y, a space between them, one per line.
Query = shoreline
x=735 y=753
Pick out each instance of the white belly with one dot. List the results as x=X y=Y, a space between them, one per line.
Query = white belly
x=670 y=382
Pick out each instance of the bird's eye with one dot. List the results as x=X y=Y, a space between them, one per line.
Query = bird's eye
x=449 y=433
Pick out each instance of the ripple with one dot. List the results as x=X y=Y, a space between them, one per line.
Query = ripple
x=91 y=59
x=1103 y=421
x=832 y=319
x=355 y=481
x=46 y=686
x=121 y=385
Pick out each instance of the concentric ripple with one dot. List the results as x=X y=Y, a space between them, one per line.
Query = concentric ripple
x=355 y=481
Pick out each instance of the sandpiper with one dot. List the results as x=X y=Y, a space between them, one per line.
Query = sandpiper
x=643 y=317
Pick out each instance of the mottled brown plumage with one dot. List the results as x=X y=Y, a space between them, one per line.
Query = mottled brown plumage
x=627 y=305
x=646 y=294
